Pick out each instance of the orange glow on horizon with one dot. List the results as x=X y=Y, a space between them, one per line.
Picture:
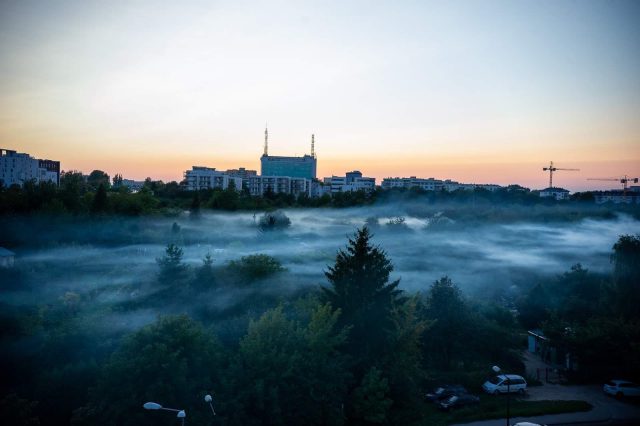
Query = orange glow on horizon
x=527 y=173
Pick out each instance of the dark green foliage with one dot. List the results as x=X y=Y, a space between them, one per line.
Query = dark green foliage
x=205 y=277
x=172 y=270
x=195 y=204
x=173 y=361
x=289 y=374
x=385 y=332
x=450 y=328
x=302 y=362
x=171 y=198
x=97 y=178
x=360 y=288
x=175 y=228
x=255 y=267
x=402 y=362
x=397 y=223
x=100 y=202
x=605 y=347
x=117 y=181
x=227 y=199
x=594 y=322
x=372 y=223
x=273 y=221
x=17 y=411
x=370 y=402
x=626 y=275
x=575 y=295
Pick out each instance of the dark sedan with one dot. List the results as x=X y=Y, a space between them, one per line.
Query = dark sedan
x=458 y=401
x=444 y=392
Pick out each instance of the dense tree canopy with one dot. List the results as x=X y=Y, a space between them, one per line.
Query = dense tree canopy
x=360 y=287
x=173 y=361
x=626 y=274
x=357 y=351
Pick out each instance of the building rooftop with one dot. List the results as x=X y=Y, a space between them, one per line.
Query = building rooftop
x=6 y=253
x=554 y=189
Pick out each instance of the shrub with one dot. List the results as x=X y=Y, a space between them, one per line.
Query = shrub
x=256 y=266
x=272 y=221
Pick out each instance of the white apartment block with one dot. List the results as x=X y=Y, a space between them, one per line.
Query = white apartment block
x=258 y=185
x=430 y=184
x=352 y=181
x=209 y=178
x=556 y=193
x=451 y=186
x=630 y=196
x=18 y=168
x=133 y=185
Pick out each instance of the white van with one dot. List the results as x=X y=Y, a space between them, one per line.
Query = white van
x=504 y=383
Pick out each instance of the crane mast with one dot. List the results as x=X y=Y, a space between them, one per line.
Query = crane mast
x=624 y=180
x=552 y=169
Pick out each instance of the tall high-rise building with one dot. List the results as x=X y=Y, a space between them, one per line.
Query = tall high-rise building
x=300 y=167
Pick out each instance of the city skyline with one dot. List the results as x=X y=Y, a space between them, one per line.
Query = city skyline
x=476 y=92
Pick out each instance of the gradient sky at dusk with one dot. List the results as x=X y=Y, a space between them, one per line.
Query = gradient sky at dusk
x=477 y=91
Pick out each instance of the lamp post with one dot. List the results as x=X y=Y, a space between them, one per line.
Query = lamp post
x=209 y=400
x=155 y=406
x=497 y=370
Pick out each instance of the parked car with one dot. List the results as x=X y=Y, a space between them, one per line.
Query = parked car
x=621 y=388
x=458 y=401
x=444 y=392
x=504 y=383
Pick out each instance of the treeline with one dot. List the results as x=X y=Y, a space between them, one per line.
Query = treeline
x=98 y=195
x=357 y=350
x=592 y=319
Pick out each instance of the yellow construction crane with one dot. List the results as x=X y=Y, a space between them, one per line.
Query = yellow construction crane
x=624 y=180
x=552 y=169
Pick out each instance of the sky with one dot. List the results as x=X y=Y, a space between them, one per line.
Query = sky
x=475 y=91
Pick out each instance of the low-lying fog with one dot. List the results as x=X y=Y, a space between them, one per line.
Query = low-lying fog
x=478 y=258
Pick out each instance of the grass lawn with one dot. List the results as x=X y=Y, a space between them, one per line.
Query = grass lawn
x=495 y=407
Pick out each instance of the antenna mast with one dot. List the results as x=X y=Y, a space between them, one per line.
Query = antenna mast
x=313 y=146
x=266 y=142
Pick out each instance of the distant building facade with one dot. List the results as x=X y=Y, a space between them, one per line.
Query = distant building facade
x=429 y=184
x=299 y=167
x=352 y=181
x=7 y=258
x=18 y=168
x=555 y=193
x=259 y=185
x=49 y=171
x=243 y=174
x=133 y=185
x=209 y=178
x=618 y=197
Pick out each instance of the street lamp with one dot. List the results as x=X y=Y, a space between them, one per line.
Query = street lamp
x=155 y=406
x=497 y=370
x=209 y=400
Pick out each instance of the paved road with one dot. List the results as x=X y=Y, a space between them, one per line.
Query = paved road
x=606 y=410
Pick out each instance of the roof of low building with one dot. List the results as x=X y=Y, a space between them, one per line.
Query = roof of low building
x=554 y=189
x=6 y=253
